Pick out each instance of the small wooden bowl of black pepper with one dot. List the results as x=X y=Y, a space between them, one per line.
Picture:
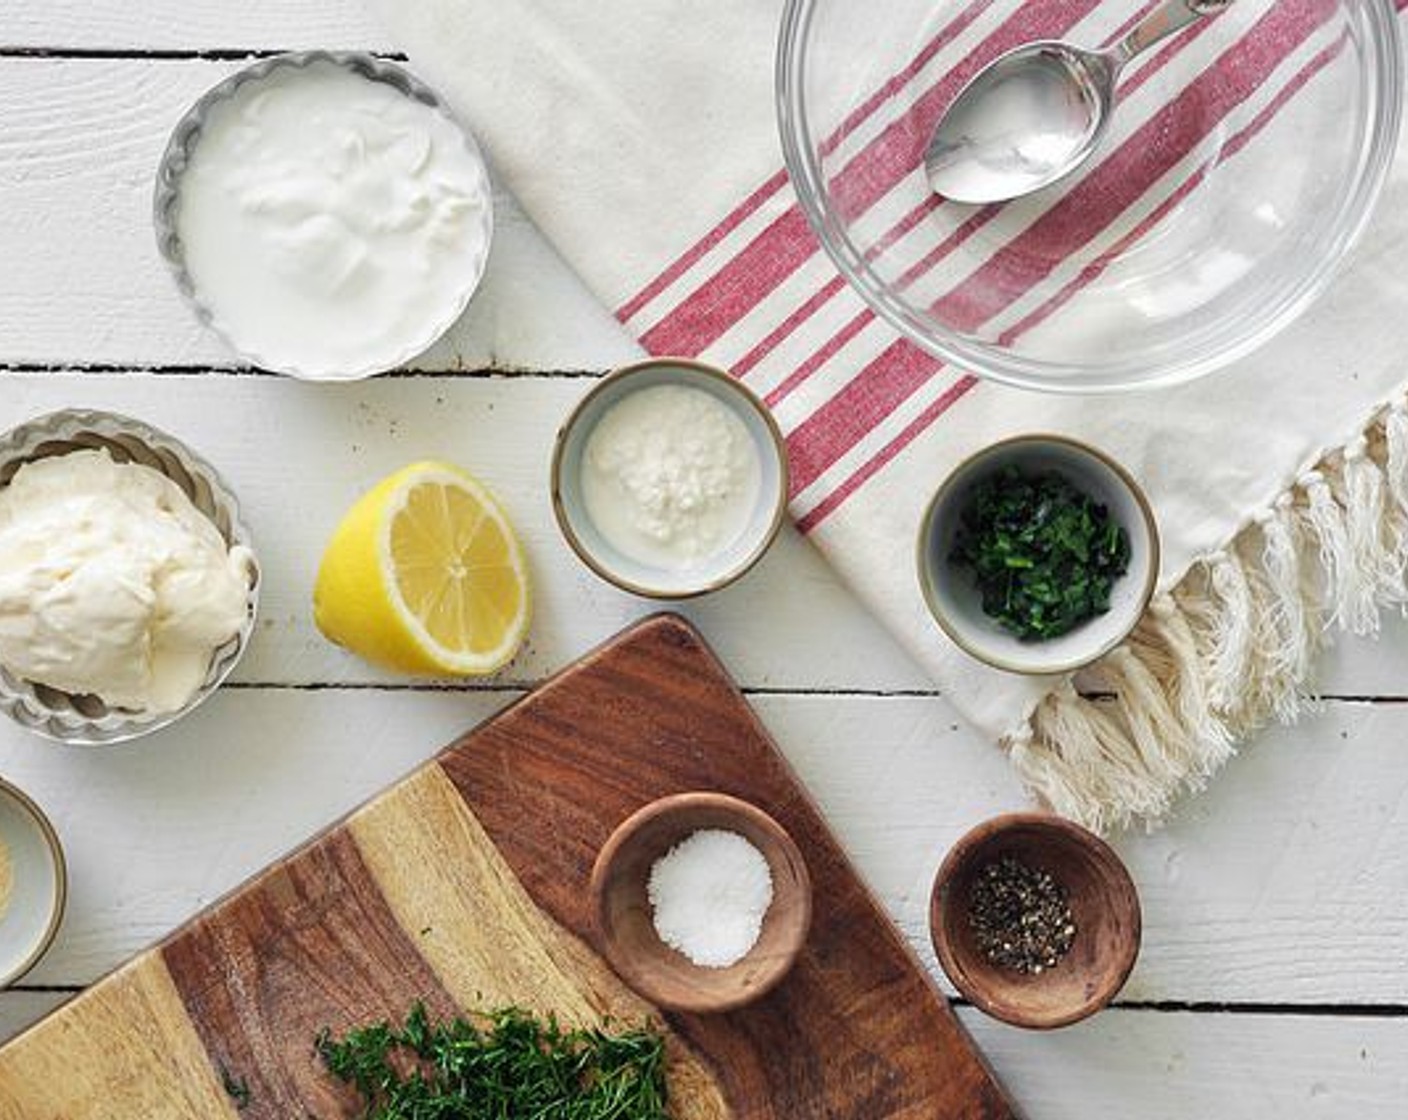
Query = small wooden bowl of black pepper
x=1035 y=920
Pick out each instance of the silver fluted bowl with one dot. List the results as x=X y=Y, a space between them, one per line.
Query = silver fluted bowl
x=177 y=156
x=88 y=720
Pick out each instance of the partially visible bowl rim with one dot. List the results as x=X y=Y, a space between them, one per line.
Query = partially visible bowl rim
x=18 y=696
x=986 y=831
x=745 y=394
x=1027 y=373
x=182 y=142
x=59 y=902
x=1146 y=594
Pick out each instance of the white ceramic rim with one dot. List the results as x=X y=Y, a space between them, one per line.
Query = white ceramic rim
x=182 y=143
x=59 y=902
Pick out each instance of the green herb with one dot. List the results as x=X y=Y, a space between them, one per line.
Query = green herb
x=502 y=1065
x=236 y=1087
x=1044 y=555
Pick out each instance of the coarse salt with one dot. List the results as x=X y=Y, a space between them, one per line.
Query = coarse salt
x=708 y=896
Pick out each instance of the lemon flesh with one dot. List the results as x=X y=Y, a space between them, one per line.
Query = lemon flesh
x=424 y=575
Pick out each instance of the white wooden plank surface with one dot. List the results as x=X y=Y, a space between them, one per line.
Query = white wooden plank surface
x=1286 y=884
x=1131 y=1065
x=191 y=24
x=83 y=283
x=319 y=446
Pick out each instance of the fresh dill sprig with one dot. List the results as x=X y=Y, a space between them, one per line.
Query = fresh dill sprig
x=237 y=1088
x=500 y=1065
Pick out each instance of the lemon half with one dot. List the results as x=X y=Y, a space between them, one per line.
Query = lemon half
x=424 y=575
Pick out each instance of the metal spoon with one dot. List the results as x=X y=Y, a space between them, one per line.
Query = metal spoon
x=1037 y=112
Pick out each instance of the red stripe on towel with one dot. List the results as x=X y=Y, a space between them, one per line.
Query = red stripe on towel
x=864 y=318
x=686 y=261
x=788 y=326
x=854 y=120
x=833 y=501
x=780 y=249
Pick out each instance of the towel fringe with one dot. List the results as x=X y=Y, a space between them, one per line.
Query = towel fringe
x=1394 y=452
x=1232 y=647
x=1292 y=619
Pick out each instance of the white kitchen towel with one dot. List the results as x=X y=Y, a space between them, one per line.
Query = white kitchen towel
x=640 y=136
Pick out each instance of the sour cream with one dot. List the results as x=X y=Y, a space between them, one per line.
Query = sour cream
x=332 y=225
x=112 y=583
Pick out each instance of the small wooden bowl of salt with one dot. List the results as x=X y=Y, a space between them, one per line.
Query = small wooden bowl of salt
x=702 y=902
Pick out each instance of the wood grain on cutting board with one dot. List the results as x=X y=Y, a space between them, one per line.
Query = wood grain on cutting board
x=465 y=885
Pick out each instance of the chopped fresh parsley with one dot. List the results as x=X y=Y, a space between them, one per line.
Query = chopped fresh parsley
x=1044 y=555
x=503 y=1065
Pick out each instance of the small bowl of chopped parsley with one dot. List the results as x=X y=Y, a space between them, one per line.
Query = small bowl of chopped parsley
x=1038 y=554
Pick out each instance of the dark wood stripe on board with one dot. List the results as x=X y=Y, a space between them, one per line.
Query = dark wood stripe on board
x=309 y=944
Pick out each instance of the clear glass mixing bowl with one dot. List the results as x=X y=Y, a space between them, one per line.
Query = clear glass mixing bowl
x=1244 y=159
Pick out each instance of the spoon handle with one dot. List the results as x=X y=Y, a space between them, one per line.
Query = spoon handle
x=1163 y=21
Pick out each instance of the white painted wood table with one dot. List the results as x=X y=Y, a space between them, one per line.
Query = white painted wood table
x=1274 y=977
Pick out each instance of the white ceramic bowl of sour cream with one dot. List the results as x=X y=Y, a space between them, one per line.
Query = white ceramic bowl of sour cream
x=324 y=213
x=669 y=478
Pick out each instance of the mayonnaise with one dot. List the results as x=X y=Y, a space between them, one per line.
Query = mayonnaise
x=112 y=583
x=329 y=221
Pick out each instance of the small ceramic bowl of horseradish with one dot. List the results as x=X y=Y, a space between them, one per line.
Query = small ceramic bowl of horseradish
x=324 y=213
x=669 y=478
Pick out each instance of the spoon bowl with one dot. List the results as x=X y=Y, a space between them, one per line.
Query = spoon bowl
x=1036 y=113
x=1021 y=123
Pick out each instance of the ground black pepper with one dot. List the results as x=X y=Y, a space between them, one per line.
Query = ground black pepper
x=1020 y=916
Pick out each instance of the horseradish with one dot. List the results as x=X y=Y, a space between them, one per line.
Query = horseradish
x=670 y=476
x=112 y=583
x=331 y=225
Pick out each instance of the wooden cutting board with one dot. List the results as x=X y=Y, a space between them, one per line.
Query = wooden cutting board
x=465 y=886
